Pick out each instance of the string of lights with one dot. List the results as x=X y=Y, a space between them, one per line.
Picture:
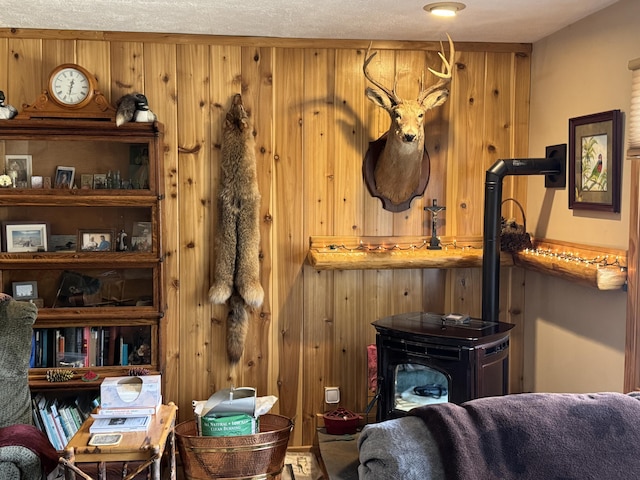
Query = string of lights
x=396 y=246
x=599 y=260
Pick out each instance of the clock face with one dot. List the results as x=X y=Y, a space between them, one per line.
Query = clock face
x=70 y=86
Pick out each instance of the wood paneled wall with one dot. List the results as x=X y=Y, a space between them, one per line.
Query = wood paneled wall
x=312 y=124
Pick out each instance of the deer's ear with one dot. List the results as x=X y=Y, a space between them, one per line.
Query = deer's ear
x=435 y=99
x=379 y=98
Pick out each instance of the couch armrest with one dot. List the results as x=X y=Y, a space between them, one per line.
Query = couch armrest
x=399 y=448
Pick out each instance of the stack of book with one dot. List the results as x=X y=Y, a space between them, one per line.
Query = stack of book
x=121 y=420
x=127 y=404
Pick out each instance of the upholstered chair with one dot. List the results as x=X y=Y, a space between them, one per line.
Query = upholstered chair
x=25 y=452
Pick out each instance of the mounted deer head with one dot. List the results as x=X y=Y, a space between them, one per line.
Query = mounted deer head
x=398 y=169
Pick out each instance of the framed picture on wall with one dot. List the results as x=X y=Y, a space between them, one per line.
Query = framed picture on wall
x=595 y=146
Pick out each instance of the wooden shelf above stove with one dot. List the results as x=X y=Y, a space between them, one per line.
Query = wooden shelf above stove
x=602 y=268
x=381 y=253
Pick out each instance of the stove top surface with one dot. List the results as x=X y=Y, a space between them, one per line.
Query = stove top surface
x=442 y=325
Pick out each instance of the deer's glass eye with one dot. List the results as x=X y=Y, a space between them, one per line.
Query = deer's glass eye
x=420 y=115
x=397 y=115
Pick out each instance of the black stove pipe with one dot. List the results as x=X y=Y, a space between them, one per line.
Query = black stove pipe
x=492 y=208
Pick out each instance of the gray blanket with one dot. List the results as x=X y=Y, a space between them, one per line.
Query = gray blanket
x=538 y=436
x=399 y=449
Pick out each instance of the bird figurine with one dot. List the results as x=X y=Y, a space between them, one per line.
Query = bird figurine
x=133 y=107
x=6 y=111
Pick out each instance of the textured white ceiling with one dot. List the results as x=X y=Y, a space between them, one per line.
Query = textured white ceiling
x=482 y=21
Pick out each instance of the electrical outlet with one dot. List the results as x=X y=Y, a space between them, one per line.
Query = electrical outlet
x=332 y=394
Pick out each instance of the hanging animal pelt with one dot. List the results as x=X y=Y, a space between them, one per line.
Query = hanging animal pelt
x=237 y=249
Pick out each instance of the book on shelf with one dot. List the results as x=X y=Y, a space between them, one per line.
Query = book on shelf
x=60 y=419
x=120 y=424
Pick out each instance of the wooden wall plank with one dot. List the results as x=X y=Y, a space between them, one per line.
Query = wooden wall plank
x=4 y=69
x=319 y=191
x=193 y=76
x=25 y=65
x=56 y=52
x=160 y=85
x=513 y=300
x=465 y=179
x=127 y=70
x=349 y=108
x=289 y=243
x=96 y=57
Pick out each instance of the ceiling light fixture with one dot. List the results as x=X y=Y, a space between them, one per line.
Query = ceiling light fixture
x=444 y=9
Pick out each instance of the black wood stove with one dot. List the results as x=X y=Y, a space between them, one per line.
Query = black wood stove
x=426 y=358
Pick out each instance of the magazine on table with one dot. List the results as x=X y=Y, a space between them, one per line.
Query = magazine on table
x=120 y=424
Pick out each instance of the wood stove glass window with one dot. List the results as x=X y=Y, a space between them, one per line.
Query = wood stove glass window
x=417 y=385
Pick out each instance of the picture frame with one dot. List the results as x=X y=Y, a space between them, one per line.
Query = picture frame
x=18 y=167
x=25 y=290
x=20 y=237
x=141 y=237
x=37 y=181
x=63 y=243
x=96 y=240
x=99 y=181
x=595 y=161
x=86 y=181
x=65 y=177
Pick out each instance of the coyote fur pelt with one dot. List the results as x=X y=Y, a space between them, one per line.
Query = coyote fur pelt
x=237 y=269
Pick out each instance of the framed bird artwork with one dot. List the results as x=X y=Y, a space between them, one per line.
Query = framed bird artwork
x=595 y=149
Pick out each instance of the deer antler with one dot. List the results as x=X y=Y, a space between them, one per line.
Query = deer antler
x=445 y=75
x=390 y=93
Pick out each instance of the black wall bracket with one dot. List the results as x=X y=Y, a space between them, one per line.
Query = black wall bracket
x=557 y=180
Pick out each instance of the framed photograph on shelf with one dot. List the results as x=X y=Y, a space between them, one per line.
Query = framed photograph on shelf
x=86 y=181
x=594 y=171
x=141 y=238
x=96 y=240
x=37 y=181
x=25 y=290
x=18 y=167
x=99 y=180
x=63 y=243
x=64 y=177
x=22 y=237
x=138 y=167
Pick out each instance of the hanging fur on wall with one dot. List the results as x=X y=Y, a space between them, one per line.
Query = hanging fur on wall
x=237 y=269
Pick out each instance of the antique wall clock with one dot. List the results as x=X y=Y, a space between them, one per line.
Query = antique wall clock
x=71 y=92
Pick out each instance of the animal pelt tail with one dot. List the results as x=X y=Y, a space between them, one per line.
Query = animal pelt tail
x=237 y=327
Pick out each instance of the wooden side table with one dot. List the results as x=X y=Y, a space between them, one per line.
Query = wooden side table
x=146 y=447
